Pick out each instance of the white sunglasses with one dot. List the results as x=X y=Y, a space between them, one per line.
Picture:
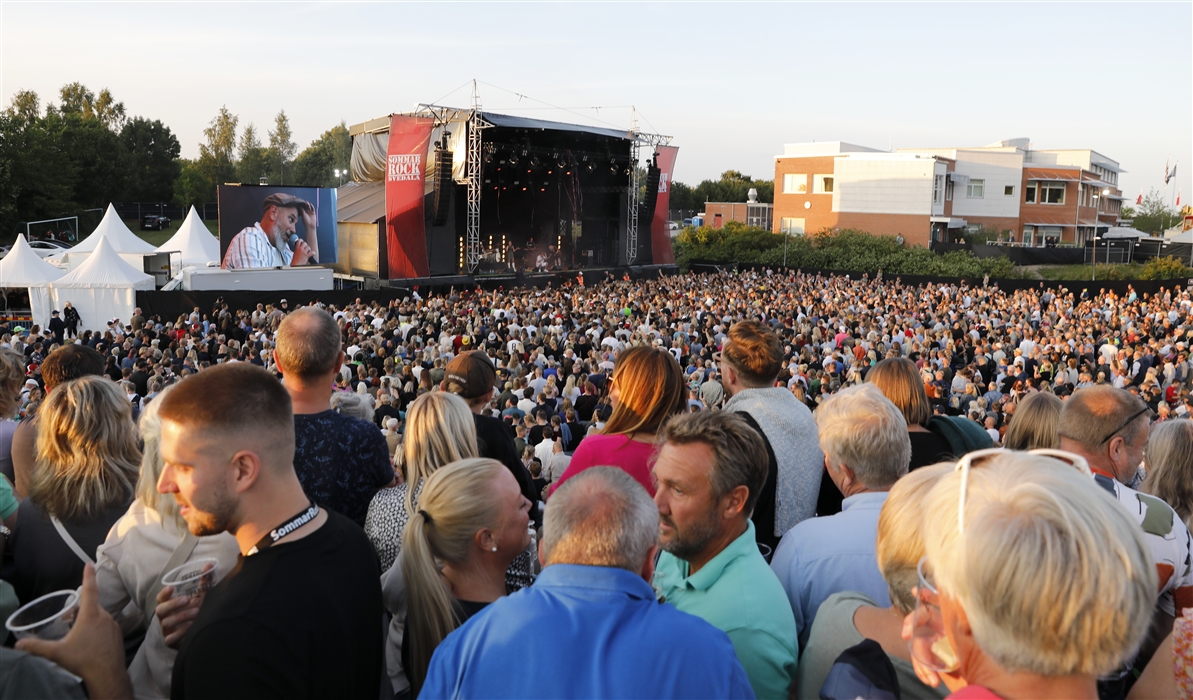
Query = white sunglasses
x=964 y=464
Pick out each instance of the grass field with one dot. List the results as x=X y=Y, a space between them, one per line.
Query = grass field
x=157 y=238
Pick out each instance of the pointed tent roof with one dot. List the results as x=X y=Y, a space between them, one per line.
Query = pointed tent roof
x=23 y=268
x=194 y=241
x=112 y=228
x=104 y=268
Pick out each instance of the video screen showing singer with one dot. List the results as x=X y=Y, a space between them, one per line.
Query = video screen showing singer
x=274 y=241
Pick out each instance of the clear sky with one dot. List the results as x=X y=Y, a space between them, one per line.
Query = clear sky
x=732 y=82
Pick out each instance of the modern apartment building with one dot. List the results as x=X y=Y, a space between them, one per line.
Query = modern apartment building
x=920 y=194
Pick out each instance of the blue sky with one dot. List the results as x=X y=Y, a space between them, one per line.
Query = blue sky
x=732 y=82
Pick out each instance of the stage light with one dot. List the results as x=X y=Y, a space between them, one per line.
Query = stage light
x=568 y=172
x=534 y=162
x=550 y=171
x=544 y=189
x=628 y=170
x=591 y=167
x=613 y=166
x=513 y=159
x=523 y=189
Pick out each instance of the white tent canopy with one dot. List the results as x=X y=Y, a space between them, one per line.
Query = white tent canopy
x=122 y=239
x=194 y=241
x=103 y=287
x=23 y=268
x=1123 y=232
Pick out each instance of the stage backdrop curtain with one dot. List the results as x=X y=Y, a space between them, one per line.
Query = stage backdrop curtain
x=660 y=225
x=405 y=177
x=368 y=157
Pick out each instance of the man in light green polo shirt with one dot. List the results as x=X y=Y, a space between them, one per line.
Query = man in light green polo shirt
x=710 y=470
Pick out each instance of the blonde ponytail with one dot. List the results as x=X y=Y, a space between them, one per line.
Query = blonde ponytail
x=456 y=502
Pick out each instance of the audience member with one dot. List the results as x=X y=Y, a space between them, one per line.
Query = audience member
x=710 y=468
x=866 y=450
x=1169 y=463
x=591 y=626
x=1036 y=423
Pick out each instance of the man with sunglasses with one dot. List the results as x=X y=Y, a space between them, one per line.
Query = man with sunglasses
x=1109 y=428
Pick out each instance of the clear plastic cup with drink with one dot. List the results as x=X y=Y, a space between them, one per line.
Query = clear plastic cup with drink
x=193 y=578
x=49 y=617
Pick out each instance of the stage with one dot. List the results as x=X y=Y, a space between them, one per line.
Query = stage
x=537 y=280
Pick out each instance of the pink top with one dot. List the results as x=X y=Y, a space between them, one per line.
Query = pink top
x=612 y=451
x=974 y=692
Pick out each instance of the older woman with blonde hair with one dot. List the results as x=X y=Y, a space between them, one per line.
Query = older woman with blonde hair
x=149 y=541
x=647 y=388
x=1035 y=424
x=86 y=465
x=1169 y=462
x=846 y=619
x=1034 y=583
x=472 y=522
x=12 y=376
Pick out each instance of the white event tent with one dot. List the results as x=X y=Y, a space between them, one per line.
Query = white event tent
x=193 y=241
x=101 y=288
x=123 y=241
x=23 y=268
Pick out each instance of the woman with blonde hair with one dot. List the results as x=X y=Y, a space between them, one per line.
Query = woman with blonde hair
x=85 y=468
x=12 y=376
x=472 y=522
x=647 y=388
x=899 y=380
x=439 y=430
x=846 y=619
x=1169 y=462
x=149 y=541
x=1034 y=583
x=1035 y=423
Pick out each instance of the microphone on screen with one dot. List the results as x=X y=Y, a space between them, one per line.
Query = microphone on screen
x=293 y=243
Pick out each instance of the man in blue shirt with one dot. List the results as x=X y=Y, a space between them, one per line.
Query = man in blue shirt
x=710 y=470
x=866 y=450
x=590 y=627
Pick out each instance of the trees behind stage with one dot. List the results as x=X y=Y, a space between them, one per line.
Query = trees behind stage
x=732 y=187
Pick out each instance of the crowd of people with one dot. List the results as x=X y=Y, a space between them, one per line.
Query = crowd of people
x=725 y=485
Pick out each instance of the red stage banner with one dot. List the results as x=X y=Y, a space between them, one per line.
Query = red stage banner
x=660 y=225
x=405 y=176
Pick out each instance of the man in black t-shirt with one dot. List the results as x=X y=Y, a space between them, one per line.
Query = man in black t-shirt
x=471 y=376
x=298 y=615
x=341 y=461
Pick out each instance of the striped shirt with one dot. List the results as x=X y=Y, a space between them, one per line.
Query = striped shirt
x=251 y=248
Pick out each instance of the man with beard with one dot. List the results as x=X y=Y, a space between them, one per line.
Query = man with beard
x=265 y=243
x=298 y=616
x=710 y=469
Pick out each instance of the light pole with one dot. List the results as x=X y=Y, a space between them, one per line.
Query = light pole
x=1094 y=276
x=340 y=175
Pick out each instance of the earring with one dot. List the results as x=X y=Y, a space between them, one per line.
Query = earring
x=494 y=549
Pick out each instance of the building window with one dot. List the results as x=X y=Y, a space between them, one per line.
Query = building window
x=1052 y=193
x=948 y=190
x=1009 y=190
x=822 y=184
x=976 y=189
x=795 y=183
x=792 y=226
x=1029 y=194
x=937 y=189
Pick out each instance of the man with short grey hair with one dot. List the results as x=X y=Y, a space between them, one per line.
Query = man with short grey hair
x=866 y=450
x=591 y=625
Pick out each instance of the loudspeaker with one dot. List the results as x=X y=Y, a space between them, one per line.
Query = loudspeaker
x=653 y=174
x=443 y=185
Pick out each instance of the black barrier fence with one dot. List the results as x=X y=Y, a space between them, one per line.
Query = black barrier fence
x=129 y=211
x=1005 y=284
x=1114 y=251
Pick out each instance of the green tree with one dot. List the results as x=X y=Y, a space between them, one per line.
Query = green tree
x=77 y=99
x=733 y=186
x=216 y=154
x=153 y=164
x=36 y=175
x=317 y=164
x=1154 y=215
x=99 y=157
x=26 y=105
x=192 y=185
x=252 y=157
x=281 y=148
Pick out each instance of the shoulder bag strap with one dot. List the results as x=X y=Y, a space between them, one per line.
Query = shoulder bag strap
x=70 y=542
x=180 y=555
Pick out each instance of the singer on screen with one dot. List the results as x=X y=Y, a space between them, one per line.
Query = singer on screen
x=273 y=241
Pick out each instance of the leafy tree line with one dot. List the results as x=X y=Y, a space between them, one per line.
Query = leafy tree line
x=86 y=151
x=732 y=187
x=1153 y=215
x=847 y=250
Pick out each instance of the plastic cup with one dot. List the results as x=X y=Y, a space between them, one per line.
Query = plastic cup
x=193 y=578
x=49 y=617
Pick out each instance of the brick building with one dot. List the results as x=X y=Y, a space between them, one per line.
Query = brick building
x=931 y=194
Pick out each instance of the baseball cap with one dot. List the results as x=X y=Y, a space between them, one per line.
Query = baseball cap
x=470 y=374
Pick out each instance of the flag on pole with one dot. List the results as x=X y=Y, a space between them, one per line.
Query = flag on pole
x=1172 y=175
x=1139 y=199
x=1166 y=176
x=1178 y=198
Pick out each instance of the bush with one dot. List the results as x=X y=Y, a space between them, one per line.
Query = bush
x=1165 y=268
x=848 y=250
